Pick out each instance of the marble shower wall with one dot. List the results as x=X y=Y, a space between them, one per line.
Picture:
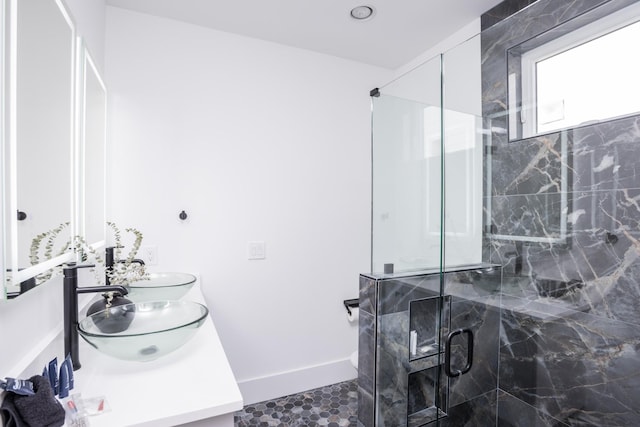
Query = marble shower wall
x=397 y=389
x=574 y=359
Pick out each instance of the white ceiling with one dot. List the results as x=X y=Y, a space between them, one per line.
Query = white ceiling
x=399 y=31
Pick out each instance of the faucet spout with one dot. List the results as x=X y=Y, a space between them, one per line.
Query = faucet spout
x=95 y=289
x=133 y=261
x=70 y=308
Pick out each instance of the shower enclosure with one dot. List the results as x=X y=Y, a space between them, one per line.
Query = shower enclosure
x=506 y=200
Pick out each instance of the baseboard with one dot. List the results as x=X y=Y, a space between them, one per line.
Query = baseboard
x=284 y=383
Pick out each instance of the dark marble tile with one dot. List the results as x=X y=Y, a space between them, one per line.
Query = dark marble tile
x=366 y=351
x=531 y=166
x=367 y=295
x=578 y=368
x=483 y=281
x=603 y=253
x=533 y=216
x=409 y=388
x=395 y=294
x=513 y=412
x=480 y=411
x=558 y=364
x=501 y=11
x=484 y=321
x=366 y=412
x=601 y=157
x=604 y=155
x=427 y=398
x=428 y=320
x=392 y=368
x=616 y=295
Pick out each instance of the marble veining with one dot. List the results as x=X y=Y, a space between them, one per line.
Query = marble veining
x=578 y=368
x=572 y=358
x=406 y=388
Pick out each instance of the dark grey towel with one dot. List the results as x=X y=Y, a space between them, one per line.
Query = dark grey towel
x=42 y=409
x=10 y=416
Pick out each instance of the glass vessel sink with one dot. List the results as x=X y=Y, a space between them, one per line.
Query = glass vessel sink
x=161 y=286
x=147 y=330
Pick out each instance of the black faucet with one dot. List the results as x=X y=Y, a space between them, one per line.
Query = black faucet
x=70 y=307
x=110 y=261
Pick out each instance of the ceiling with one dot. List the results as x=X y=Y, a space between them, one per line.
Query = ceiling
x=399 y=31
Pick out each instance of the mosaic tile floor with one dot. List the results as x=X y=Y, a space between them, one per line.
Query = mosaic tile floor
x=333 y=406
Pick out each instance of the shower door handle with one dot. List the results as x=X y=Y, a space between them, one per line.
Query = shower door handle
x=447 y=353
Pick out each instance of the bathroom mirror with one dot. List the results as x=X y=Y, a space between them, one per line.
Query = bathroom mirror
x=92 y=165
x=41 y=135
x=3 y=134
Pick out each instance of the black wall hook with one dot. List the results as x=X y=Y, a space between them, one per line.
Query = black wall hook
x=22 y=216
x=183 y=215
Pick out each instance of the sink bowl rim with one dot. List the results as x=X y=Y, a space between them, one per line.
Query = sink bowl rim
x=204 y=314
x=141 y=283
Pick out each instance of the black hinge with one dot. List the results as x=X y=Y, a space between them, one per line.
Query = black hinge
x=374 y=92
x=490 y=149
x=490 y=229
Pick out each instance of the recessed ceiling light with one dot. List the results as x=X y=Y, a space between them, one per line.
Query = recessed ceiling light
x=362 y=13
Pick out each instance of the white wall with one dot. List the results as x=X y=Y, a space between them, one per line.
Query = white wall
x=255 y=141
x=459 y=37
x=28 y=323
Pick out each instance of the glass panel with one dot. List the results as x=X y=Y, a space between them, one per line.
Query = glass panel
x=463 y=155
x=410 y=388
x=471 y=348
x=407 y=172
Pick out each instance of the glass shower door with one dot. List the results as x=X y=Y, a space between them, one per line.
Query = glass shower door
x=427 y=153
x=472 y=286
x=412 y=314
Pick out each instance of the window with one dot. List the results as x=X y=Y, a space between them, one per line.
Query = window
x=585 y=76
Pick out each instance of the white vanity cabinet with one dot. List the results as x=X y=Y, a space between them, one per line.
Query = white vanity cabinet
x=193 y=385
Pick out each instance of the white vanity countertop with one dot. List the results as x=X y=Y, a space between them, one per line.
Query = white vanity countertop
x=193 y=383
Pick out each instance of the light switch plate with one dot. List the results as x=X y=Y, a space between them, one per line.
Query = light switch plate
x=255 y=250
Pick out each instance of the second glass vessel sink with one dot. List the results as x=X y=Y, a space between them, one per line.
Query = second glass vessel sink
x=147 y=330
x=161 y=286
